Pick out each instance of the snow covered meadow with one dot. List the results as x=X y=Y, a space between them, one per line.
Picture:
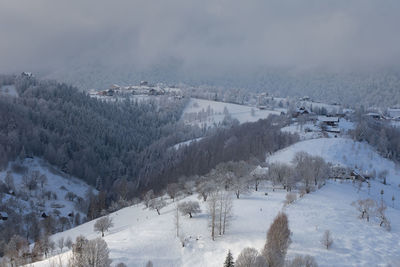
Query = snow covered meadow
x=140 y=234
x=209 y=113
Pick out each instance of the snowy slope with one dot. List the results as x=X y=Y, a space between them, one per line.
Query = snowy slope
x=140 y=235
x=215 y=112
x=57 y=182
x=348 y=153
x=342 y=151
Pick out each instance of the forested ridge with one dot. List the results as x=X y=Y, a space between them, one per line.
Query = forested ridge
x=123 y=144
x=84 y=137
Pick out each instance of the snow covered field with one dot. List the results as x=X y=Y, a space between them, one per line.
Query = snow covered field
x=207 y=112
x=140 y=234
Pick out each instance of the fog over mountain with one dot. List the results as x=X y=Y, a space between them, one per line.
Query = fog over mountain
x=92 y=43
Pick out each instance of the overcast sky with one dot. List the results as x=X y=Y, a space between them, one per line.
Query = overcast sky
x=203 y=35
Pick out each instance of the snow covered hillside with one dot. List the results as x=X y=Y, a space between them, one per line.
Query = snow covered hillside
x=209 y=113
x=348 y=153
x=140 y=234
x=40 y=188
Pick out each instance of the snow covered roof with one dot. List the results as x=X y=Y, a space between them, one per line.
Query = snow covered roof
x=328 y=119
x=3 y=214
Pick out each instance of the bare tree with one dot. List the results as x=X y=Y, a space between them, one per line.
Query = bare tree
x=173 y=190
x=157 y=204
x=68 y=243
x=78 y=250
x=14 y=250
x=247 y=258
x=278 y=241
x=240 y=185
x=367 y=208
x=384 y=221
x=91 y=253
x=96 y=253
x=226 y=209
x=176 y=220
x=189 y=208
x=61 y=243
x=189 y=186
x=327 y=239
x=212 y=205
x=383 y=175
x=281 y=173
x=302 y=261
x=148 y=197
x=103 y=224
x=149 y=264
x=204 y=188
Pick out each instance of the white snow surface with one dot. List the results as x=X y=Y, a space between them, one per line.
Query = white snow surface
x=348 y=153
x=140 y=234
x=240 y=112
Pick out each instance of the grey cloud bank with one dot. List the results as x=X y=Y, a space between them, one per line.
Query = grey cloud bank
x=208 y=38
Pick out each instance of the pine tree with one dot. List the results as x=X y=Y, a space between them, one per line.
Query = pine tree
x=229 y=260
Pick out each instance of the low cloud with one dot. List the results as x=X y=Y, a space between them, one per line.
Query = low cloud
x=209 y=36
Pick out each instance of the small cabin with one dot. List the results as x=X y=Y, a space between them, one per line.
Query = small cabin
x=328 y=121
x=44 y=215
x=3 y=216
x=301 y=111
x=355 y=175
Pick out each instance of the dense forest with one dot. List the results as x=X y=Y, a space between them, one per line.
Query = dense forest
x=84 y=137
x=125 y=142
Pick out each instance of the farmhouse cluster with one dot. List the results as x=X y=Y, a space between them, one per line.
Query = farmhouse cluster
x=144 y=88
